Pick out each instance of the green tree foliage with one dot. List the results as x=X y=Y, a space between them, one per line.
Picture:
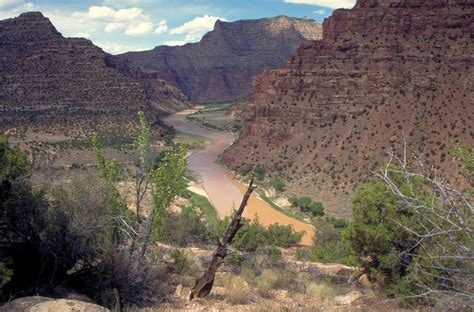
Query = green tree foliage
x=13 y=162
x=466 y=157
x=307 y=205
x=252 y=235
x=167 y=182
x=186 y=228
x=316 y=209
x=375 y=234
x=143 y=164
x=413 y=234
x=13 y=192
x=278 y=184
x=259 y=172
x=64 y=238
x=329 y=246
x=109 y=171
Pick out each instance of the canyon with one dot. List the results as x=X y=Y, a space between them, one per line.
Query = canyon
x=220 y=67
x=68 y=85
x=384 y=74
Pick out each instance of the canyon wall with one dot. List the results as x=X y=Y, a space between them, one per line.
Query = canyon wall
x=220 y=67
x=385 y=72
x=48 y=81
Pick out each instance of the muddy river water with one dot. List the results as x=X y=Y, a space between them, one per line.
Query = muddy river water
x=223 y=191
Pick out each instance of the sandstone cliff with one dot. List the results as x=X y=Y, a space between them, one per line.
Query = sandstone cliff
x=383 y=70
x=220 y=67
x=47 y=81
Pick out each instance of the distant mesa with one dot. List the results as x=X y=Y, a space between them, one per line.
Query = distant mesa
x=221 y=66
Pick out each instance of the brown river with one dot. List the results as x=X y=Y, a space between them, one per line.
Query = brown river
x=223 y=191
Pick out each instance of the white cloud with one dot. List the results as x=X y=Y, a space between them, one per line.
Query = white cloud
x=112 y=47
x=15 y=6
x=139 y=29
x=100 y=12
x=69 y=23
x=131 y=20
x=174 y=43
x=111 y=27
x=82 y=35
x=162 y=27
x=109 y=14
x=128 y=14
x=196 y=28
x=320 y=12
x=333 y=4
x=117 y=48
x=120 y=3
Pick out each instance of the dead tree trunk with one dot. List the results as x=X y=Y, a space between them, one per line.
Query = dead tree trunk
x=203 y=285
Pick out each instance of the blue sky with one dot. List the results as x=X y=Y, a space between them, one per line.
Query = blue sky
x=133 y=25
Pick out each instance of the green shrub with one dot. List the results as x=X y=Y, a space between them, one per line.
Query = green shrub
x=56 y=239
x=316 y=209
x=180 y=260
x=303 y=203
x=5 y=275
x=259 y=172
x=339 y=223
x=307 y=205
x=185 y=228
x=374 y=234
x=278 y=184
x=329 y=246
x=252 y=235
x=413 y=234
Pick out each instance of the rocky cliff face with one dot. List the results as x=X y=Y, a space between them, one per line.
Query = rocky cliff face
x=384 y=70
x=220 y=67
x=47 y=81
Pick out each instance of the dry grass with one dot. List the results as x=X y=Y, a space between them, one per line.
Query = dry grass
x=272 y=279
x=237 y=290
x=321 y=291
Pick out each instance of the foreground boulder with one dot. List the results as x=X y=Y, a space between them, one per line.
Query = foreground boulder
x=45 y=304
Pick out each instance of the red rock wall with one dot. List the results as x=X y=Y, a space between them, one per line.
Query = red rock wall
x=47 y=81
x=383 y=70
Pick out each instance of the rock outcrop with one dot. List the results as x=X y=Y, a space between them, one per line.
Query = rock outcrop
x=45 y=304
x=220 y=67
x=384 y=72
x=69 y=83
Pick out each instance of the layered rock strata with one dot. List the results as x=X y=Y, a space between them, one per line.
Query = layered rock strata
x=385 y=72
x=48 y=81
x=220 y=67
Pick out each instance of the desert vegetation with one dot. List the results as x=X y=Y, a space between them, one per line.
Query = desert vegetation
x=217 y=116
x=410 y=235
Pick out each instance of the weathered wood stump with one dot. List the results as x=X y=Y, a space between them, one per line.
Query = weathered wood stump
x=203 y=285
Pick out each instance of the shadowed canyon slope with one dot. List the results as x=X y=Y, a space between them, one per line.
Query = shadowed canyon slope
x=220 y=67
x=384 y=70
x=48 y=80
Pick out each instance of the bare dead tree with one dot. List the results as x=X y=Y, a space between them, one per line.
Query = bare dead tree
x=203 y=285
x=443 y=254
